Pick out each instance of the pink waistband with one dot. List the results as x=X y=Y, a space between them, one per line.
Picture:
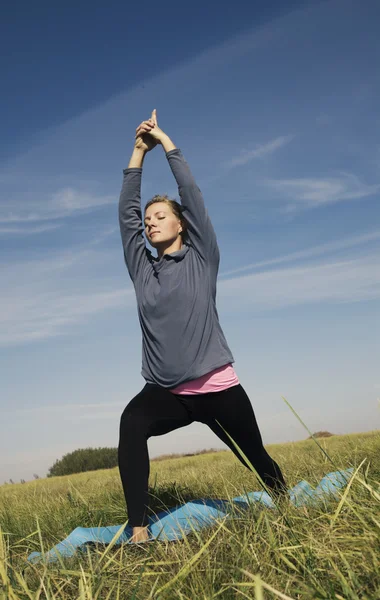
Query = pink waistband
x=215 y=381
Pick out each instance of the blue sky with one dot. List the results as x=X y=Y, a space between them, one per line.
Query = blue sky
x=276 y=108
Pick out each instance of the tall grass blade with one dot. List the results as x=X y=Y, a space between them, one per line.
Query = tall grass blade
x=308 y=430
x=345 y=494
x=186 y=568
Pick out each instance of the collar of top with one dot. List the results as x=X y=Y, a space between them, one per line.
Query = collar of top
x=159 y=263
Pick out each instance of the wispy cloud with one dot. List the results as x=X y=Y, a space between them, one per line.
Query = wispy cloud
x=312 y=192
x=28 y=230
x=260 y=151
x=64 y=203
x=51 y=313
x=309 y=252
x=334 y=282
x=72 y=200
x=13 y=272
x=48 y=297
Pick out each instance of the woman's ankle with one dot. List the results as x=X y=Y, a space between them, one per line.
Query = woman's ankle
x=140 y=534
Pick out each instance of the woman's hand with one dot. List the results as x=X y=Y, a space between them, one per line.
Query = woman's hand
x=151 y=127
x=143 y=141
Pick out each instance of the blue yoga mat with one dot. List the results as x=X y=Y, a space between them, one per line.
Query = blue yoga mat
x=177 y=522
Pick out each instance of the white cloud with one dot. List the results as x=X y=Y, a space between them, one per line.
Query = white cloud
x=46 y=314
x=46 y=298
x=312 y=192
x=72 y=200
x=260 y=151
x=309 y=252
x=337 y=282
x=64 y=203
x=11 y=273
x=26 y=230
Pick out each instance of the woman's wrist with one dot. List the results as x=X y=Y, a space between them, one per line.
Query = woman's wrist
x=167 y=144
x=137 y=158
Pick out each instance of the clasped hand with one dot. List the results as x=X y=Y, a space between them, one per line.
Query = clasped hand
x=148 y=134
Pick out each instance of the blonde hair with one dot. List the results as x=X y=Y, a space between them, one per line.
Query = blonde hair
x=175 y=207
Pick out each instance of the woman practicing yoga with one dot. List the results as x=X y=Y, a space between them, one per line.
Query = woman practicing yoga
x=186 y=361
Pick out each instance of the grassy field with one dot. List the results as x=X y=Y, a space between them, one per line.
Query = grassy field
x=330 y=551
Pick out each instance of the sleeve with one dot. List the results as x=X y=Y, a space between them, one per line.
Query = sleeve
x=200 y=230
x=131 y=226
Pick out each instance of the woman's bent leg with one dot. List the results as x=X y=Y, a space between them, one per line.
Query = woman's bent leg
x=154 y=411
x=233 y=409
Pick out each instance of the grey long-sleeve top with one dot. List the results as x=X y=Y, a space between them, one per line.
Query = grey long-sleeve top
x=176 y=295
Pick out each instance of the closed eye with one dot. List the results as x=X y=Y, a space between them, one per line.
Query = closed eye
x=159 y=218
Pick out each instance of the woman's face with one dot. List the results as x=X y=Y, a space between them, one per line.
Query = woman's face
x=161 y=224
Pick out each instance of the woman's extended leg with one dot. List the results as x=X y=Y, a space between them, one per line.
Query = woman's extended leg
x=154 y=411
x=233 y=409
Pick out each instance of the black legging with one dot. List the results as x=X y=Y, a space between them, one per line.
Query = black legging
x=155 y=411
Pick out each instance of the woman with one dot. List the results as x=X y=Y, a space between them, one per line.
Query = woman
x=186 y=361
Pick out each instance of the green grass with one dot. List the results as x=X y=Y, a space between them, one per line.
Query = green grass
x=330 y=551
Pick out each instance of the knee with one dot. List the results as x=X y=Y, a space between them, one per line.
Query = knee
x=133 y=422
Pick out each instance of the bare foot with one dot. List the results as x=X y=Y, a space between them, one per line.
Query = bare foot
x=140 y=534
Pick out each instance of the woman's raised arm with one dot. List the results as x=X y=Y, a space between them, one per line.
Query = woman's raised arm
x=200 y=230
x=131 y=226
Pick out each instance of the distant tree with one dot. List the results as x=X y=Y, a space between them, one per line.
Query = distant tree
x=84 y=459
x=321 y=434
x=22 y=480
x=36 y=476
x=11 y=481
x=91 y=459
